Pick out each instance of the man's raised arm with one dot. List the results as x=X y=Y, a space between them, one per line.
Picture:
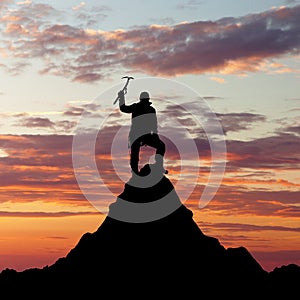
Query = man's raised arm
x=123 y=107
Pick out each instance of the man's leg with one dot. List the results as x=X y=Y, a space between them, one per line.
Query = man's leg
x=154 y=141
x=134 y=156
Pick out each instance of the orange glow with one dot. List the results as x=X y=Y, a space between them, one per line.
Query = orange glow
x=36 y=242
x=234 y=156
x=245 y=181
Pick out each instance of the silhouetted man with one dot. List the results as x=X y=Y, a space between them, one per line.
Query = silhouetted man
x=143 y=129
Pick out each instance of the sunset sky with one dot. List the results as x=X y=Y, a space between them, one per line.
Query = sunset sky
x=224 y=77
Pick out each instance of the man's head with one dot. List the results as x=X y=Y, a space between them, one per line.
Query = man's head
x=144 y=96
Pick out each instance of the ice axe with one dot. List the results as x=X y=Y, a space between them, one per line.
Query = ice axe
x=125 y=87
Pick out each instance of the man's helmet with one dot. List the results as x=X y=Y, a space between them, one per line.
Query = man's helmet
x=144 y=96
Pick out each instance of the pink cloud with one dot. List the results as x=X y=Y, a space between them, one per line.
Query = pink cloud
x=37 y=122
x=273 y=152
x=229 y=45
x=235 y=122
x=240 y=200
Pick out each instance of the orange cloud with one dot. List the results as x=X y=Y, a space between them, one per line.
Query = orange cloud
x=218 y=79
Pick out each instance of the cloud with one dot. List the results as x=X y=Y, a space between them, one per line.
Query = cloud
x=26 y=2
x=273 y=152
x=74 y=111
x=293 y=129
x=79 y=6
x=38 y=168
x=33 y=122
x=235 y=122
x=228 y=45
x=36 y=122
x=230 y=122
x=90 y=110
x=218 y=79
x=65 y=125
x=240 y=200
x=249 y=227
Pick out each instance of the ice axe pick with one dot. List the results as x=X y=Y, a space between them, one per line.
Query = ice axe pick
x=125 y=87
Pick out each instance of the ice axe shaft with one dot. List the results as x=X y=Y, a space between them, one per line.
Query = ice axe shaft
x=125 y=86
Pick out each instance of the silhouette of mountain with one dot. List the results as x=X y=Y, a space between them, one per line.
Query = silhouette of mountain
x=167 y=255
